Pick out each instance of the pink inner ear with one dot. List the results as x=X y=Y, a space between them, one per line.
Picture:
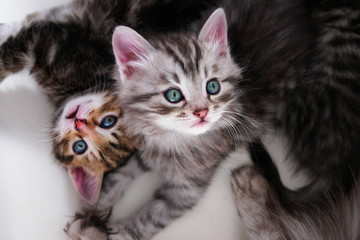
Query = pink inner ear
x=215 y=30
x=128 y=47
x=87 y=185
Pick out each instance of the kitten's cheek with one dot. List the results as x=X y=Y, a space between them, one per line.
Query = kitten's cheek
x=86 y=183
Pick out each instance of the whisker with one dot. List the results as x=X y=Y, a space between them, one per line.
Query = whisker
x=249 y=119
x=234 y=131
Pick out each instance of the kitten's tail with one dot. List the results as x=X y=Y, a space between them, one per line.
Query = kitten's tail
x=333 y=215
x=314 y=191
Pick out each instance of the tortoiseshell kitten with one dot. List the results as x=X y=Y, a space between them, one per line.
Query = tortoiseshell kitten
x=87 y=125
x=68 y=51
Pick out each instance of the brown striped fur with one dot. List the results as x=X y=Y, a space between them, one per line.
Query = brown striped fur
x=111 y=147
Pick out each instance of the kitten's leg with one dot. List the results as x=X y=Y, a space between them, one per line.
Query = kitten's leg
x=169 y=203
x=256 y=203
x=19 y=39
x=15 y=51
x=93 y=219
x=88 y=226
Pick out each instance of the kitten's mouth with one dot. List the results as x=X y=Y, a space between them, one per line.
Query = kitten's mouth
x=200 y=123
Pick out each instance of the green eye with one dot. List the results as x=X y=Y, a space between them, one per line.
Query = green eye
x=173 y=95
x=108 y=122
x=80 y=147
x=212 y=87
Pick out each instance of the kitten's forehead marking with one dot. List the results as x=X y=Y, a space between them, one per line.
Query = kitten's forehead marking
x=186 y=54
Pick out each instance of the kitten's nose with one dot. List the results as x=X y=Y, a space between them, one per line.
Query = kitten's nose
x=79 y=123
x=201 y=113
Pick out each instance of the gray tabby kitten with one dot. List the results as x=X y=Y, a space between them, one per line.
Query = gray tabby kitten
x=182 y=131
x=188 y=101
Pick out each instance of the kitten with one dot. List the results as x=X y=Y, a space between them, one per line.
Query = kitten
x=87 y=129
x=189 y=103
x=177 y=93
x=68 y=51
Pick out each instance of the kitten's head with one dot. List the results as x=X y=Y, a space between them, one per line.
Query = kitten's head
x=181 y=83
x=89 y=140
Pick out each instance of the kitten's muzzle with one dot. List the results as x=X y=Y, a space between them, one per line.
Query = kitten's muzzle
x=201 y=113
x=79 y=123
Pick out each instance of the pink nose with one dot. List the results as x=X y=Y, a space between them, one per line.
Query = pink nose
x=201 y=113
x=80 y=123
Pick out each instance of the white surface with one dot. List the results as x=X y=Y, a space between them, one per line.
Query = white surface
x=37 y=197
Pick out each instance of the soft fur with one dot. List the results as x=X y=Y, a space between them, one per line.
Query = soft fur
x=288 y=81
x=264 y=217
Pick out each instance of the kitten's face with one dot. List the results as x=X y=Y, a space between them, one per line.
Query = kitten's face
x=184 y=84
x=89 y=140
x=187 y=103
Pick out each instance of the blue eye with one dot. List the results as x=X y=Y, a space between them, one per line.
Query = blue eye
x=212 y=87
x=108 y=122
x=173 y=95
x=80 y=147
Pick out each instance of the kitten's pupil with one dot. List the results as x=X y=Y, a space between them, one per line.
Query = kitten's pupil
x=212 y=87
x=173 y=95
x=108 y=122
x=80 y=147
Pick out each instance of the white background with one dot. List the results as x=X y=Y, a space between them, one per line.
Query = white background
x=37 y=198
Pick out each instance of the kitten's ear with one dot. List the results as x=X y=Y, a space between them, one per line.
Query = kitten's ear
x=214 y=31
x=129 y=48
x=86 y=183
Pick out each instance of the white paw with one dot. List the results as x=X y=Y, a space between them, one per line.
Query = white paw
x=116 y=232
x=77 y=231
x=120 y=236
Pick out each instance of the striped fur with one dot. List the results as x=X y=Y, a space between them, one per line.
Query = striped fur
x=186 y=156
x=291 y=79
x=67 y=49
x=301 y=71
x=264 y=217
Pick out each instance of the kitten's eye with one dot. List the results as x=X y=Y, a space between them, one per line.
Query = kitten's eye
x=212 y=87
x=173 y=95
x=108 y=122
x=80 y=147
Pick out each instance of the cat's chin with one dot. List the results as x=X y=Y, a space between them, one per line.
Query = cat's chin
x=195 y=129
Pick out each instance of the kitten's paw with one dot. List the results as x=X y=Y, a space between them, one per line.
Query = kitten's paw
x=250 y=188
x=117 y=232
x=122 y=235
x=88 y=226
x=256 y=203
